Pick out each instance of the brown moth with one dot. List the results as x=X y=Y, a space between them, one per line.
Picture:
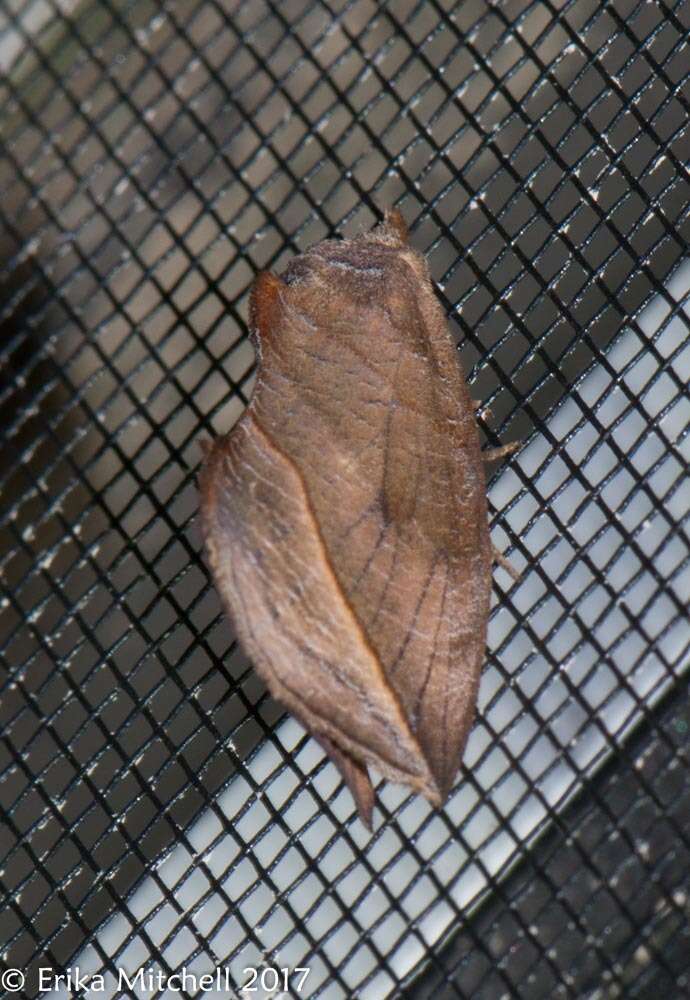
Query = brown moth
x=345 y=515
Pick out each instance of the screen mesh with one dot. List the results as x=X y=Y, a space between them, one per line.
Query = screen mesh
x=160 y=812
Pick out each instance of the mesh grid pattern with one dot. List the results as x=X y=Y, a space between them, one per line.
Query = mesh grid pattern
x=159 y=809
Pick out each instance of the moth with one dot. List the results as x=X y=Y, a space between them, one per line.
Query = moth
x=345 y=515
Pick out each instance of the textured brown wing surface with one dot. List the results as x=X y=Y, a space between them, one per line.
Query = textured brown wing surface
x=360 y=481
x=275 y=579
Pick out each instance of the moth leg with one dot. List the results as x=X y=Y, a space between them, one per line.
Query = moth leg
x=491 y=454
x=483 y=412
x=355 y=776
x=505 y=563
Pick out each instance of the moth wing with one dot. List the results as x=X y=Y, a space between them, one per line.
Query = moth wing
x=424 y=610
x=369 y=465
x=271 y=568
x=430 y=624
x=401 y=501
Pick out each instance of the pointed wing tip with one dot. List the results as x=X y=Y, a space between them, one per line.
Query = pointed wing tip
x=364 y=797
x=355 y=776
x=440 y=785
